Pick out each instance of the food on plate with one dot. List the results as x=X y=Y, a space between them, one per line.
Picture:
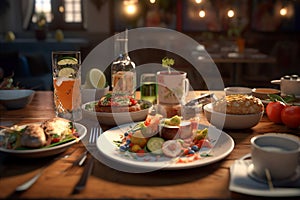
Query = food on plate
x=49 y=133
x=33 y=136
x=117 y=103
x=171 y=148
x=145 y=139
x=239 y=104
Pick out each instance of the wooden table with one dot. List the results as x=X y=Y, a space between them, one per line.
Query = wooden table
x=207 y=182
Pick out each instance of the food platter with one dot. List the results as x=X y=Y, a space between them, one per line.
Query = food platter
x=115 y=118
x=222 y=144
x=44 y=152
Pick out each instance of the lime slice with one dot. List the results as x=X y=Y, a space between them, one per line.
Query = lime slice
x=67 y=61
x=66 y=72
x=95 y=78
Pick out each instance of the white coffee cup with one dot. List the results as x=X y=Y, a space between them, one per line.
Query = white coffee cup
x=173 y=87
x=278 y=153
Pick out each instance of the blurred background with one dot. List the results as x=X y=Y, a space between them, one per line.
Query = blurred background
x=254 y=41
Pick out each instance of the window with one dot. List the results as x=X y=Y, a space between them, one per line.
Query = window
x=62 y=14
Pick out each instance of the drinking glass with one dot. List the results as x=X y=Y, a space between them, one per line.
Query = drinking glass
x=149 y=87
x=66 y=69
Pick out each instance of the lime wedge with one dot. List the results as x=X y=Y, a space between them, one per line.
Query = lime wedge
x=67 y=61
x=95 y=78
x=66 y=72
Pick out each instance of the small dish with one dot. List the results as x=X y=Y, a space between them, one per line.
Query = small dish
x=230 y=121
x=276 y=183
x=16 y=99
x=262 y=93
x=238 y=90
x=116 y=118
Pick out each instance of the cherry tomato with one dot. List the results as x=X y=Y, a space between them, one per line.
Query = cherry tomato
x=273 y=111
x=290 y=116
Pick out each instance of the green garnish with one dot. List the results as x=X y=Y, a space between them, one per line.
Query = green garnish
x=168 y=62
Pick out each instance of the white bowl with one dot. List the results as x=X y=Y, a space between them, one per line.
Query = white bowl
x=16 y=99
x=237 y=90
x=230 y=121
x=88 y=95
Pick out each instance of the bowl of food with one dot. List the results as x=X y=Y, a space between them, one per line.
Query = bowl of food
x=235 y=112
x=263 y=93
x=16 y=99
x=114 y=109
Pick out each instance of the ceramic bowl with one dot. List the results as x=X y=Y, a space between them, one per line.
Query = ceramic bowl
x=16 y=99
x=231 y=121
x=238 y=90
x=262 y=93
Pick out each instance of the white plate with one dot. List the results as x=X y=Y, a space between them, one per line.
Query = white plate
x=43 y=152
x=222 y=143
x=115 y=118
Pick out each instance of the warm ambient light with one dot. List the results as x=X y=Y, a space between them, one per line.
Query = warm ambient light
x=198 y=1
x=152 y=1
x=130 y=9
x=202 y=13
x=230 y=13
x=61 y=9
x=283 y=11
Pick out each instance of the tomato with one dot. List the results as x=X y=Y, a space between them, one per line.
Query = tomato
x=273 y=111
x=290 y=116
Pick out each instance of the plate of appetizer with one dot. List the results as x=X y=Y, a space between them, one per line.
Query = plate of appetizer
x=168 y=144
x=47 y=138
x=117 y=109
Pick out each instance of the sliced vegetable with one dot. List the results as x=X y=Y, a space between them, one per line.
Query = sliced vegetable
x=154 y=145
x=171 y=148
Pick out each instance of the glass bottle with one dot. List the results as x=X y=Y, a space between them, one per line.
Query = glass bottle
x=123 y=73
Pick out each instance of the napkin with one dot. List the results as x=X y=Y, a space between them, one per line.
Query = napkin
x=241 y=182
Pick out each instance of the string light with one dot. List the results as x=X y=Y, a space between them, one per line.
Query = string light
x=130 y=7
x=202 y=13
x=230 y=13
x=283 y=11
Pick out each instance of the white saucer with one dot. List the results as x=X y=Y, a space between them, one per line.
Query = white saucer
x=285 y=182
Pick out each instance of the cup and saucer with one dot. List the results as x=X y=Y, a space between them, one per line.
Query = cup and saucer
x=276 y=172
x=277 y=182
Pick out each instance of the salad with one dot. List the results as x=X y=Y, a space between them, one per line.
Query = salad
x=148 y=138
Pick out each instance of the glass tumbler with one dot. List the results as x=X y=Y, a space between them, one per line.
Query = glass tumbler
x=66 y=70
x=149 y=87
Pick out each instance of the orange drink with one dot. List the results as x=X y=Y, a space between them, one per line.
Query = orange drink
x=66 y=82
x=64 y=90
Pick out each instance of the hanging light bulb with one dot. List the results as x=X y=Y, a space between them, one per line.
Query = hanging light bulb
x=230 y=13
x=130 y=7
x=202 y=13
x=198 y=1
x=152 y=1
x=283 y=11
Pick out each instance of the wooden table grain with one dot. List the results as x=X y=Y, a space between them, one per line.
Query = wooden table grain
x=206 y=182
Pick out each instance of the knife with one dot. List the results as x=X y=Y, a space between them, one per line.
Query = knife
x=85 y=175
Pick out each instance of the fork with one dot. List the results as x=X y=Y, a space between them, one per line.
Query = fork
x=94 y=134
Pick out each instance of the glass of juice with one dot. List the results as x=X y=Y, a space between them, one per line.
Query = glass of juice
x=149 y=87
x=66 y=69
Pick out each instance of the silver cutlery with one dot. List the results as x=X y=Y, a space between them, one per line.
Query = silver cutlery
x=25 y=186
x=94 y=134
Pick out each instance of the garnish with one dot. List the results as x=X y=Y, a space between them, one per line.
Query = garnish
x=168 y=62
x=286 y=99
